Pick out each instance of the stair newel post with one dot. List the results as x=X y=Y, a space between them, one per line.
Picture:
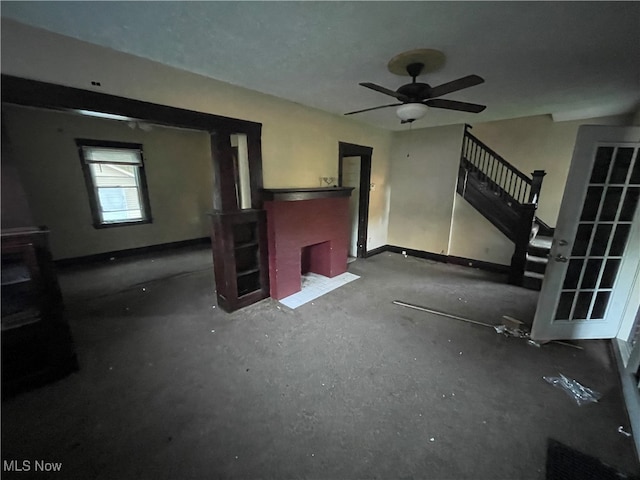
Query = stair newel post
x=519 y=257
x=536 y=186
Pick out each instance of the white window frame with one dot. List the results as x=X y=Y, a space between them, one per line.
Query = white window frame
x=97 y=152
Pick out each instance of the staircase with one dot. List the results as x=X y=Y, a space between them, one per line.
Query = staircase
x=508 y=199
x=537 y=259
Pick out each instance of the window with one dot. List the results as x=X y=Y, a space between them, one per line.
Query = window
x=114 y=174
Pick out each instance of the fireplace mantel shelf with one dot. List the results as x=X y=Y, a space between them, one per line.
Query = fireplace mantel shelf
x=293 y=194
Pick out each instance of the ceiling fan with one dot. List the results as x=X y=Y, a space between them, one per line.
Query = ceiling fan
x=416 y=96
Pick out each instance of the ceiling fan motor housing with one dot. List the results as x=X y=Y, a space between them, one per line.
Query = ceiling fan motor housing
x=415 y=91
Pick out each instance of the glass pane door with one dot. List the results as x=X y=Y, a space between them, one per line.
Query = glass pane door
x=602 y=234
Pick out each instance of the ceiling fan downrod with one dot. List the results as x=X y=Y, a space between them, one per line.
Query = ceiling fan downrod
x=414 y=69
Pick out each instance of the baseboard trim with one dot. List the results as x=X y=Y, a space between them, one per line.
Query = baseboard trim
x=101 y=257
x=376 y=251
x=438 y=257
x=482 y=265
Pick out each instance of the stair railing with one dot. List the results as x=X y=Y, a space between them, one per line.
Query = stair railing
x=516 y=190
x=502 y=177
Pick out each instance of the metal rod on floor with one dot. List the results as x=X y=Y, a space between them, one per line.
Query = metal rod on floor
x=475 y=322
x=443 y=314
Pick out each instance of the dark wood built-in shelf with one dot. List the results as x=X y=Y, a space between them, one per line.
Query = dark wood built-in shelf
x=241 y=263
x=36 y=342
x=248 y=272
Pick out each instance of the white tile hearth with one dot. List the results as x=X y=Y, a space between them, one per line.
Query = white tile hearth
x=314 y=286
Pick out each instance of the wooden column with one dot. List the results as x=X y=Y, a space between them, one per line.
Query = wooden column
x=238 y=237
x=519 y=257
x=536 y=185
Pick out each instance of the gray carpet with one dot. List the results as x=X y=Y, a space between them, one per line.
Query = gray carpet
x=349 y=387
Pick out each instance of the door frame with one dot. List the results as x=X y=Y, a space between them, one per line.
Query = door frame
x=365 y=153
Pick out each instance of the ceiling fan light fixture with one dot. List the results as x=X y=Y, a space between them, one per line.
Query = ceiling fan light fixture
x=411 y=111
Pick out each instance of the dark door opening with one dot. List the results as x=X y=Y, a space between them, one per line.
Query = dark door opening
x=355 y=171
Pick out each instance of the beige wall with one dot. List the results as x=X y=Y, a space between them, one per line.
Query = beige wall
x=15 y=205
x=473 y=236
x=177 y=167
x=426 y=214
x=636 y=117
x=299 y=144
x=423 y=181
x=539 y=143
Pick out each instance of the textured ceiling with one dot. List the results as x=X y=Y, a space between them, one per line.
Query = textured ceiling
x=573 y=59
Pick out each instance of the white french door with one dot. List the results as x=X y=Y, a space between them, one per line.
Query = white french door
x=595 y=256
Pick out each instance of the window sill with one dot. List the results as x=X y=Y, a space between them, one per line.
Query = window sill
x=121 y=224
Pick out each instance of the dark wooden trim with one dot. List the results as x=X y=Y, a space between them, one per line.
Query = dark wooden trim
x=99 y=226
x=519 y=257
x=89 y=142
x=22 y=91
x=363 y=205
x=130 y=252
x=536 y=185
x=376 y=251
x=254 y=152
x=294 y=194
x=545 y=230
x=353 y=150
x=465 y=262
x=224 y=187
x=365 y=154
x=92 y=191
x=417 y=253
x=481 y=264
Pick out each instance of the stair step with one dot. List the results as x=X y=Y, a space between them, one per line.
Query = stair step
x=532 y=283
x=537 y=259
x=534 y=275
x=541 y=242
x=538 y=252
x=492 y=207
x=536 y=267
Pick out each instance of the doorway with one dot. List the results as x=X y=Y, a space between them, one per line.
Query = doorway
x=237 y=186
x=354 y=170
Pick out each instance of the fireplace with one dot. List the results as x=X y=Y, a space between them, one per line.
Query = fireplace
x=308 y=230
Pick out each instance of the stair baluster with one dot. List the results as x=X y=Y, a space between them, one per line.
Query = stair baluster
x=503 y=194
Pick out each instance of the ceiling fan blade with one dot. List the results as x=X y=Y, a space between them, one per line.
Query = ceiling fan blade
x=453 y=105
x=455 y=85
x=386 y=91
x=374 y=108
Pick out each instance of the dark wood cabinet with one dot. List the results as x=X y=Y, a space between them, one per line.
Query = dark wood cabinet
x=241 y=263
x=36 y=341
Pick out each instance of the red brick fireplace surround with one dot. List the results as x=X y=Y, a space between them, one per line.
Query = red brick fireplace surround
x=308 y=231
